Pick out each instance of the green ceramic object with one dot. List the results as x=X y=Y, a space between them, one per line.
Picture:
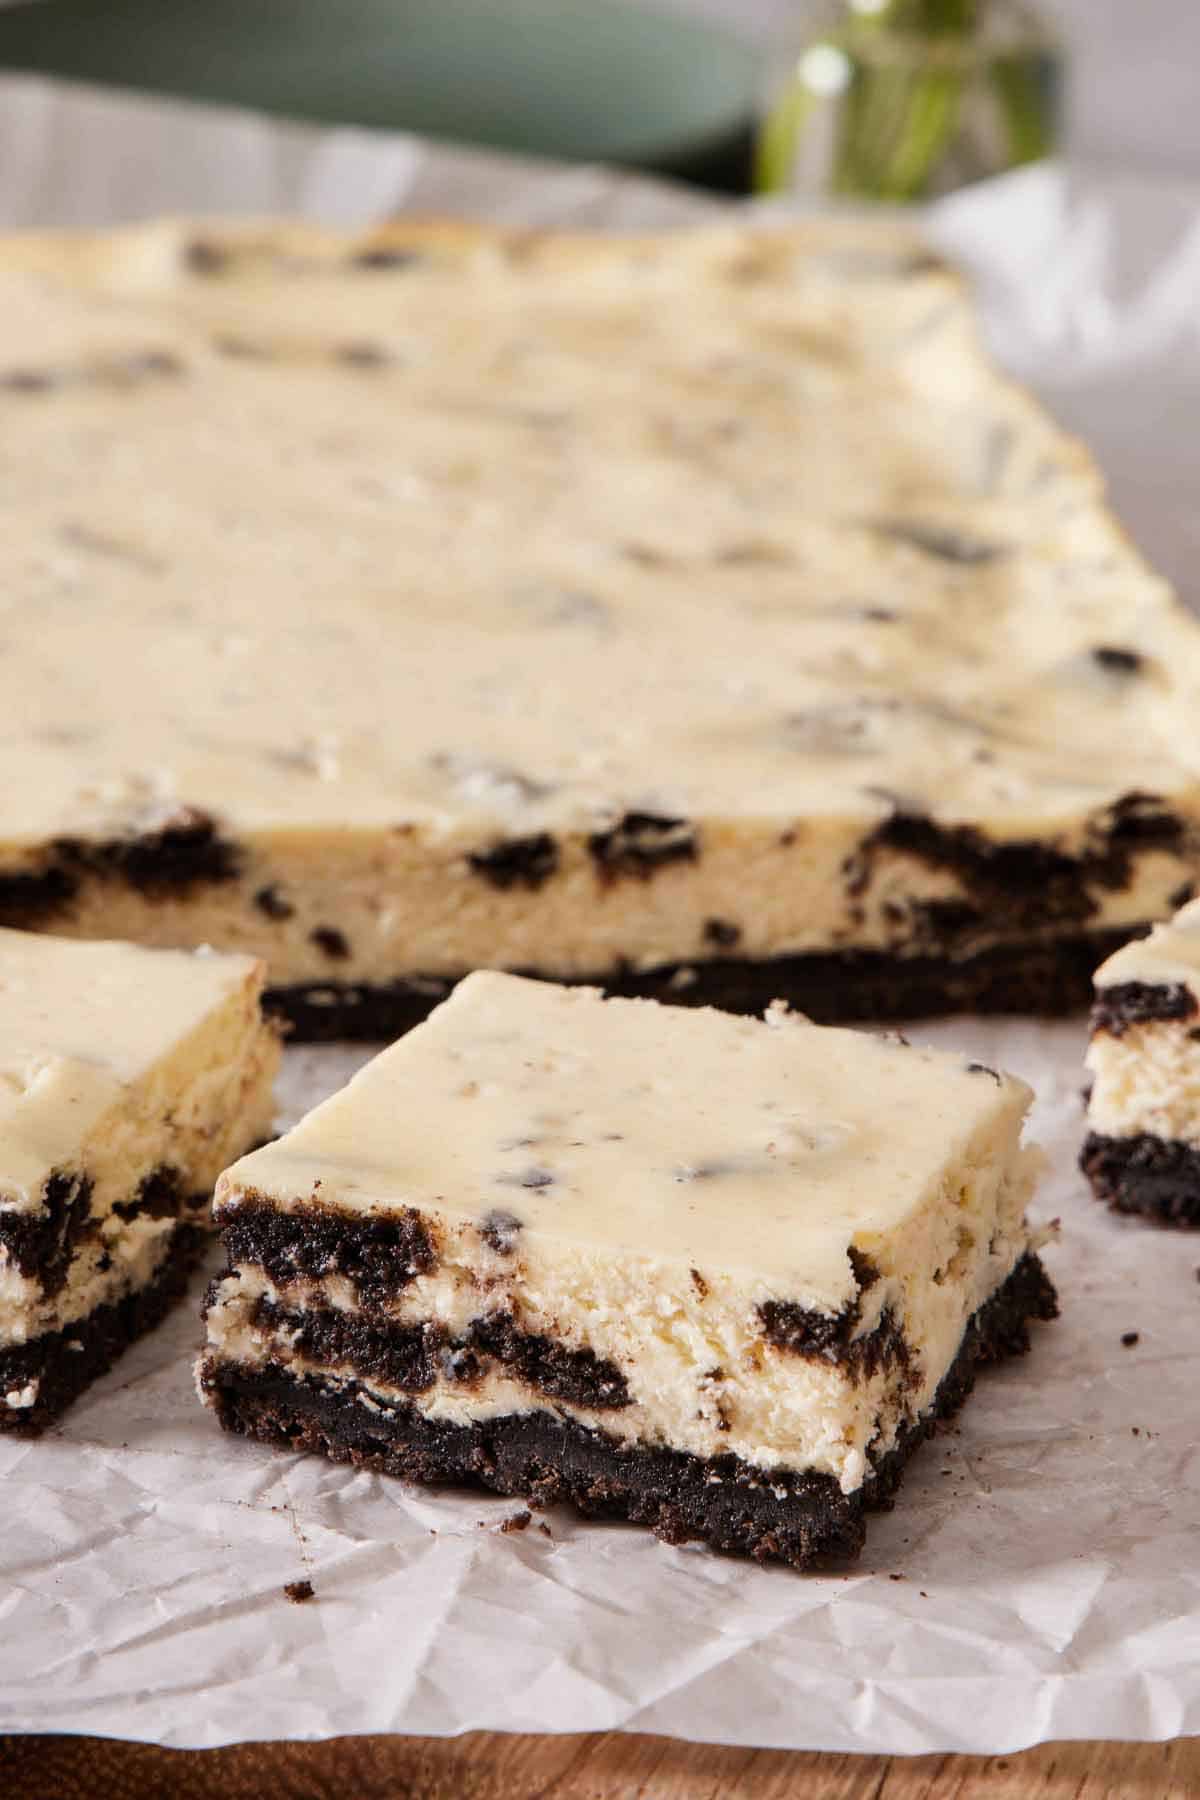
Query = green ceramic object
x=583 y=79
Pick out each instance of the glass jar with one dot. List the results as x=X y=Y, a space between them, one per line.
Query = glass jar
x=901 y=100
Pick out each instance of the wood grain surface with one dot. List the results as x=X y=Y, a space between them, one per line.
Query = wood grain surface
x=605 y=1766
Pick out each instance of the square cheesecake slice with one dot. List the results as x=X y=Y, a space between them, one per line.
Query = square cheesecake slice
x=1142 y=1150
x=128 y=1079
x=713 y=1274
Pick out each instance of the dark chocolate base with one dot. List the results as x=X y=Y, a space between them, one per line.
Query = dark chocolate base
x=1128 y=1003
x=1156 y=1177
x=729 y=1504
x=1045 y=977
x=65 y=1362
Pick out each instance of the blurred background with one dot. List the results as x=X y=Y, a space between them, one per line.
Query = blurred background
x=679 y=88
x=1134 y=68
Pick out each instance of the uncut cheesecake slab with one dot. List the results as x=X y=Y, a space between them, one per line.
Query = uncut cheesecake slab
x=1142 y=1149
x=712 y=1274
x=128 y=1079
x=697 y=615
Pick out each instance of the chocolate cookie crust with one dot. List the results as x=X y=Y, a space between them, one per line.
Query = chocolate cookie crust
x=41 y=1244
x=731 y=1505
x=1049 y=978
x=63 y=1363
x=412 y=1357
x=1129 y=1003
x=1154 y=1177
x=380 y=1256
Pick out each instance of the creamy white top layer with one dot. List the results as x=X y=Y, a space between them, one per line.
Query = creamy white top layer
x=736 y=1145
x=81 y=1024
x=1171 y=953
x=523 y=532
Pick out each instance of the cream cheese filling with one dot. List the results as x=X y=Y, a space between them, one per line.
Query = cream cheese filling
x=1147 y=1080
x=417 y=907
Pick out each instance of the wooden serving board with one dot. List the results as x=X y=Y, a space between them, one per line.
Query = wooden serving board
x=603 y=1766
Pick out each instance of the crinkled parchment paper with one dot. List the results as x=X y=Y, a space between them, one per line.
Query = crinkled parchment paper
x=1040 y=1576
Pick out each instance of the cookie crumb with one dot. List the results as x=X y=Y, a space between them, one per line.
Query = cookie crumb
x=518 y=1521
x=544 y=1529
x=1130 y=1338
x=299 y=1591
x=978 y=1068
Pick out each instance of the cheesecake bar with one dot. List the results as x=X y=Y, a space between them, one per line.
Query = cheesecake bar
x=128 y=1079
x=699 y=615
x=712 y=1274
x=1142 y=1150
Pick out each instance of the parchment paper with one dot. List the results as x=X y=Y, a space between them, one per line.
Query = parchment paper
x=1039 y=1577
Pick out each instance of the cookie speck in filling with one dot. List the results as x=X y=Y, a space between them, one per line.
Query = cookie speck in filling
x=529 y=1178
x=27 y=381
x=1116 y=660
x=331 y=941
x=271 y=902
x=363 y=356
x=380 y=257
x=865 y=1272
x=203 y=257
x=500 y=1230
x=942 y=541
x=640 y=843
x=160 y=1195
x=714 y=1168
x=524 y=862
x=243 y=349
x=141 y=363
